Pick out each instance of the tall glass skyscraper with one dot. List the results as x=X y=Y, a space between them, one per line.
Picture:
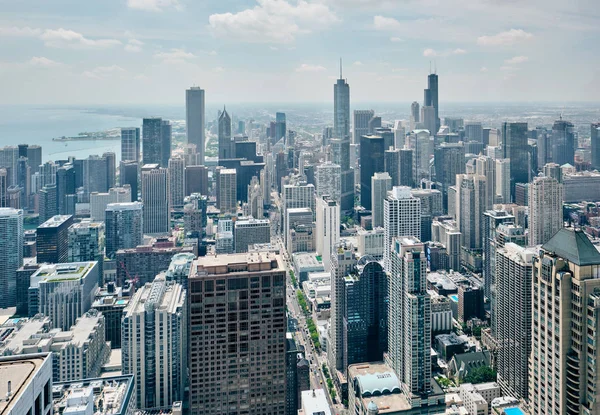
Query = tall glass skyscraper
x=514 y=147
x=225 y=145
x=195 y=119
x=431 y=97
x=130 y=144
x=11 y=254
x=341 y=108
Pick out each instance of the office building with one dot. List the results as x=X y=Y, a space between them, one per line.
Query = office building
x=401 y=217
x=565 y=293
x=391 y=164
x=154 y=342
x=166 y=130
x=226 y=188
x=194 y=213
x=11 y=254
x=470 y=205
x=30 y=380
x=111 y=168
x=515 y=148
x=371 y=161
x=328 y=179
x=409 y=331
x=63 y=292
x=99 y=201
x=129 y=176
x=130 y=144
x=545 y=209
x=280 y=127
x=124 y=226
x=512 y=317
x=361 y=124
x=3 y=187
x=502 y=181
x=95 y=174
x=176 y=182
x=196 y=180
x=48 y=203
x=300 y=195
x=446 y=233
x=327 y=227
x=86 y=240
x=9 y=156
x=341 y=108
x=431 y=207
x=340 y=151
x=226 y=150
x=431 y=100
x=300 y=220
x=415 y=115
x=449 y=160
x=156 y=140
x=256 y=198
x=195 y=119
x=155 y=198
x=563 y=142
x=595 y=145
x=366 y=314
x=52 y=240
x=259 y=337
x=428 y=120
x=251 y=231
x=381 y=183
x=474 y=131
x=491 y=220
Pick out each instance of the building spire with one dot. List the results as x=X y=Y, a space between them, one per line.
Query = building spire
x=341 y=69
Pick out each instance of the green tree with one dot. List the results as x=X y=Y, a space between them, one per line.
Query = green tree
x=480 y=375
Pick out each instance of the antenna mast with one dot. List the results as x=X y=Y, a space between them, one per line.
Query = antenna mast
x=341 y=68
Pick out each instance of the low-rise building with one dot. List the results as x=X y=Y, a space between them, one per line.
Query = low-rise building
x=477 y=398
x=314 y=402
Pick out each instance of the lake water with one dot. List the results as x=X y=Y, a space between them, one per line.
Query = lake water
x=38 y=125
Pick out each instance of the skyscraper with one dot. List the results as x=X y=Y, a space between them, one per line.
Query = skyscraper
x=341 y=108
x=565 y=294
x=124 y=226
x=225 y=143
x=226 y=185
x=95 y=174
x=196 y=180
x=155 y=198
x=328 y=228
x=595 y=142
x=391 y=164
x=431 y=98
x=409 y=333
x=195 y=119
x=52 y=240
x=470 y=207
x=512 y=313
x=372 y=161
x=564 y=143
x=154 y=343
x=48 y=203
x=130 y=144
x=65 y=187
x=515 y=148
x=401 y=218
x=129 y=175
x=176 y=182
x=415 y=115
x=361 y=124
x=86 y=240
x=491 y=220
x=328 y=179
x=280 y=127
x=152 y=140
x=381 y=183
x=545 y=209
x=11 y=254
x=166 y=131
x=340 y=149
x=219 y=289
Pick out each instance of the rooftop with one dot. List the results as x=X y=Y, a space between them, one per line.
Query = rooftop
x=71 y=271
x=574 y=246
x=109 y=396
x=379 y=385
x=19 y=370
x=242 y=262
x=17 y=330
x=55 y=221
x=314 y=402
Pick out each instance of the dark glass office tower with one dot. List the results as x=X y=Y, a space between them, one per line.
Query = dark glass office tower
x=515 y=148
x=129 y=174
x=372 y=150
x=52 y=239
x=341 y=108
x=152 y=141
x=225 y=144
x=563 y=142
x=165 y=140
x=195 y=119
x=595 y=138
x=449 y=160
x=431 y=96
x=280 y=126
x=65 y=185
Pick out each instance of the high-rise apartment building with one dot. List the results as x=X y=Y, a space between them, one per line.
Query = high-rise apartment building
x=401 y=218
x=515 y=148
x=361 y=124
x=155 y=198
x=124 y=226
x=431 y=207
x=372 y=161
x=502 y=185
x=512 y=315
x=11 y=254
x=381 y=183
x=449 y=160
x=154 y=342
x=391 y=165
x=563 y=363
x=130 y=144
x=226 y=187
x=195 y=119
x=224 y=132
x=86 y=240
x=471 y=194
x=229 y=290
x=409 y=330
x=176 y=182
x=53 y=240
x=545 y=209
x=328 y=179
x=491 y=220
x=341 y=108
x=327 y=228
x=340 y=151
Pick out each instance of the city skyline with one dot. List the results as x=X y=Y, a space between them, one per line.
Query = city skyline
x=485 y=52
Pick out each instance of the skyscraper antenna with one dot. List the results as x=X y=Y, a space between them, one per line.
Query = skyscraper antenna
x=430 y=67
x=341 y=68
x=435 y=67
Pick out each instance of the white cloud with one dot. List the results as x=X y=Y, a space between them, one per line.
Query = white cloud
x=386 y=23
x=509 y=37
x=432 y=53
x=508 y=68
x=396 y=39
x=134 y=45
x=20 y=31
x=63 y=38
x=174 y=56
x=458 y=51
x=103 y=72
x=153 y=5
x=516 y=60
x=357 y=63
x=213 y=53
x=483 y=69
x=428 y=53
x=305 y=67
x=41 y=61
x=272 y=21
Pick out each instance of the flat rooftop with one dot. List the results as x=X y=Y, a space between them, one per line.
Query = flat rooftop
x=19 y=370
x=380 y=378
x=55 y=221
x=70 y=271
x=111 y=395
x=243 y=262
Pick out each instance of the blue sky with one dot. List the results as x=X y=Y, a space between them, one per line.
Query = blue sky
x=149 y=51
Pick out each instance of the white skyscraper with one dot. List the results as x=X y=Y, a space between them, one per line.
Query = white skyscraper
x=154 y=343
x=301 y=195
x=176 y=182
x=11 y=254
x=328 y=177
x=502 y=181
x=195 y=119
x=471 y=193
x=130 y=144
x=381 y=183
x=545 y=209
x=156 y=199
x=401 y=217
x=227 y=190
x=328 y=228
x=99 y=201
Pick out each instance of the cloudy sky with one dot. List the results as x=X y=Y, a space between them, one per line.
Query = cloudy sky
x=149 y=51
